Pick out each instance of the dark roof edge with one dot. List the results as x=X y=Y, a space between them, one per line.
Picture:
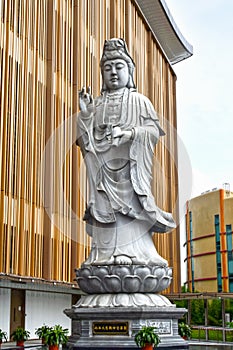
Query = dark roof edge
x=187 y=46
x=187 y=49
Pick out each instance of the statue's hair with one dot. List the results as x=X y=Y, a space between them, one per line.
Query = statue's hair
x=117 y=48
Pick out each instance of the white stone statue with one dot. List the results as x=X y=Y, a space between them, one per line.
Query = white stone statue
x=117 y=133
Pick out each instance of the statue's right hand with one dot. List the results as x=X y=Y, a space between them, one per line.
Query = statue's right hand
x=86 y=103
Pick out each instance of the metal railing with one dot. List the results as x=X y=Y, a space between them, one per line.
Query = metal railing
x=221 y=332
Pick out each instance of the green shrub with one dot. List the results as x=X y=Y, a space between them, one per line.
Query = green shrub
x=147 y=335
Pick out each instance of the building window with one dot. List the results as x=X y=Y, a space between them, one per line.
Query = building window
x=230 y=256
x=191 y=248
x=218 y=252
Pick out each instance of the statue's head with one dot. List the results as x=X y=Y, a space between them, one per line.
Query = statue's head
x=115 y=51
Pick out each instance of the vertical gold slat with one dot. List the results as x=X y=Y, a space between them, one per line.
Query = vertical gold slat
x=12 y=113
x=75 y=153
x=33 y=144
x=4 y=38
x=22 y=151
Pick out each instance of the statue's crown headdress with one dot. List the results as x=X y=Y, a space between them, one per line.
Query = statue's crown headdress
x=116 y=48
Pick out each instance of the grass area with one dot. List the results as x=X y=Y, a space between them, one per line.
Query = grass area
x=215 y=335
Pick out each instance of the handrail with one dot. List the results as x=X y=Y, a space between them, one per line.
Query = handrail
x=212 y=328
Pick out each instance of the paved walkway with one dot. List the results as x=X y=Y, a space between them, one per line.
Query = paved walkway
x=28 y=344
x=196 y=343
x=203 y=342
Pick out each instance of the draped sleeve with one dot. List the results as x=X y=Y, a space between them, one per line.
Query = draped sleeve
x=99 y=206
x=146 y=135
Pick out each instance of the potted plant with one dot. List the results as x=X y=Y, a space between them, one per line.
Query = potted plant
x=20 y=335
x=3 y=336
x=184 y=330
x=147 y=337
x=55 y=336
x=41 y=332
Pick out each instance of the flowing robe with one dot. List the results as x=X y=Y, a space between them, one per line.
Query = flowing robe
x=121 y=212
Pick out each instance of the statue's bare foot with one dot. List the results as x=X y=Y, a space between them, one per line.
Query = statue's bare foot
x=123 y=260
x=103 y=262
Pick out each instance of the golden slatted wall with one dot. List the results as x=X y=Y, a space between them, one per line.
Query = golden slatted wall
x=49 y=50
x=23 y=85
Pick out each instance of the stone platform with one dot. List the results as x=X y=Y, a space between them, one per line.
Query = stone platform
x=110 y=328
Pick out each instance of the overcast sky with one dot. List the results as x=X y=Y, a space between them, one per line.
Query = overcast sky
x=205 y=91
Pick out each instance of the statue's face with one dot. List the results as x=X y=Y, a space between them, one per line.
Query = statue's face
x=115 y=74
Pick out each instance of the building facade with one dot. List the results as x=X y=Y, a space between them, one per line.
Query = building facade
x=49 y=49
x=209 y=222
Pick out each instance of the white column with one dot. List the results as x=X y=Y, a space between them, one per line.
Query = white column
x=46 y=308
x=5 y=307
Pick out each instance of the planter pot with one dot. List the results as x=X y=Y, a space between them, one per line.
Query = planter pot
x=148 y=347
x=0 y=343
x=185 y=337
x=54 y=347
x=20 y=343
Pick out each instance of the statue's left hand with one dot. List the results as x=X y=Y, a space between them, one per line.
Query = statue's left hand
x=117 y=132
x=121 y=136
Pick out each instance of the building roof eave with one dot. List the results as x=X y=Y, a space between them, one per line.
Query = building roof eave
x=159 y=19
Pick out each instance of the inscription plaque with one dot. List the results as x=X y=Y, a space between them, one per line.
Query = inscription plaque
x=163 y=326
x=110 y=328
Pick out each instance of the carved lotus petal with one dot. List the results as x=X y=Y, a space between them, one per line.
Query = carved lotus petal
x=103 y=302
x=112 y=284
x=121 y=270
x=119 y=279
x=140 y=299
x=131 y=284
x=124 y=299
x=159 y=272
x=84 y=285
x=95 y=284
x=159 y=300
x=142 y=271
x=164 y=283
x=85 y=301
x=84 y=272
x=77 y=272
x=169 y=272
x=100 y=271
x=150 y=284
x=121 y=300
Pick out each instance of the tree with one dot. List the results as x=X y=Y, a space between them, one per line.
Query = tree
x=197 y=312
x=215 y=312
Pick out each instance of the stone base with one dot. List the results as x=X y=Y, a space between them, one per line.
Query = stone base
x=110 y=328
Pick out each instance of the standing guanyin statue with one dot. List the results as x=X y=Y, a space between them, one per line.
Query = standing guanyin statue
x=117 y=133
x=123 y=276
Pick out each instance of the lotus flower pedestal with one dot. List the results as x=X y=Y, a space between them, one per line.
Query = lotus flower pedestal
x=120 y=300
